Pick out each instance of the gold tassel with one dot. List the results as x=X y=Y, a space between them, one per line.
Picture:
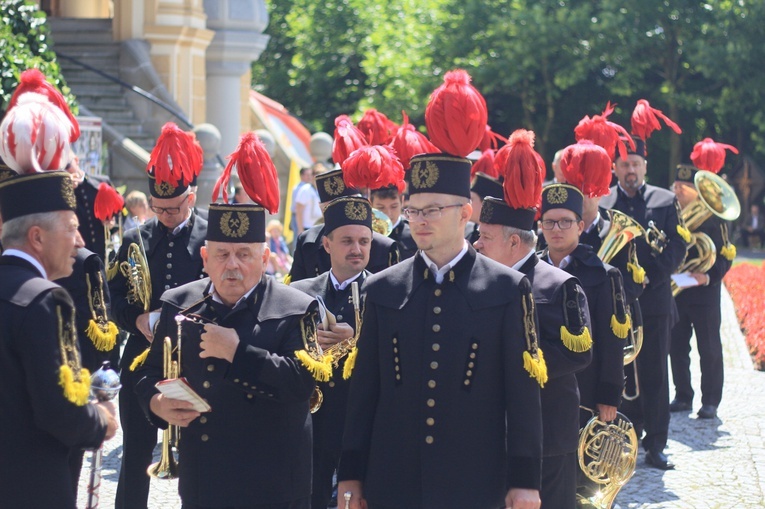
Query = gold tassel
x=350 y=363
x=318 y=368
x=728 y=251
x=576 y=342
x=76 y=391
x=684 y=233
x=287 y=279
x=621 y=329
x=103 y=340
x=536 y=366
x=139 y=360
x=112 y=270
x=638 y=273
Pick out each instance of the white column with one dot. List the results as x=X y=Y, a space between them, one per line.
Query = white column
x=224 y=101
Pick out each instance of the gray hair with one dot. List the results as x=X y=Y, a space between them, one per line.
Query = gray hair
x=15 y=231
x=528 y=237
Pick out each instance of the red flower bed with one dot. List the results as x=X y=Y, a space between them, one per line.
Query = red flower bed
x=746 y=284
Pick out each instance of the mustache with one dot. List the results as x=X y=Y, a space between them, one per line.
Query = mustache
x=232 y=274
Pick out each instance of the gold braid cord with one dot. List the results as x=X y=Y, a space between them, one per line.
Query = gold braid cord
x=101 y=331
x=621 y=322
x=682 y=230
x=574 y=333
x=312 y=356
x=633 y=265
x=728 y=251
x=73 y=378
x=533 y=360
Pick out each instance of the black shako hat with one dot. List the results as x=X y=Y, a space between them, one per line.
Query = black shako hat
x=484 y=185
x=562 y=196
x=165 y=189
x=347 y=210
x=640 y=148
x=686 y=173
x=331 y=185
x=496 y=211
x=439 y=173
x=243 y=223
x=35 y=193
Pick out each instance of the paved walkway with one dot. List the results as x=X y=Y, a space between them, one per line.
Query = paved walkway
x=720 y=462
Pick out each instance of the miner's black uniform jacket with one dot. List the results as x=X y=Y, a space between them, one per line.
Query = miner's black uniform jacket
x=254 y=446
x=91 y=228
x=87 y=264
x=603 y=380
x=554 y=290
x=441 y=413
x=311 y=259
x=403 y=237
x=38 y=424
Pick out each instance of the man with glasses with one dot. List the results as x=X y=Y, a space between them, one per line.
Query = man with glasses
x=441 y=412
x=172 y=241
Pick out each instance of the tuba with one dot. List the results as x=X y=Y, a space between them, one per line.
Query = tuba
x=167 y=466
x=607 y=456
x=381 y=223
x=136 y=271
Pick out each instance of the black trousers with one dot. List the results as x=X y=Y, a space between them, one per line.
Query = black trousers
x=705 y=320
x=654 y=384
x=139 y=437
x=324 y=466
x=75 y=467
x=559 y=481
x=303 y=503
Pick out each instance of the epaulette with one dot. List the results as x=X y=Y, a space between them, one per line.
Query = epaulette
x=73 y=378
x=633 y=265
x=621 y=322
x=312 y=356
x=574 y=332
x=101 y=331
x=139 y=359
x=728 y=251
x=533 y=359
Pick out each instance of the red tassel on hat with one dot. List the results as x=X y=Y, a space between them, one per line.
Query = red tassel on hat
x=408 y=142
x=373 y=167
x=485 y=164
x=256 y=171
x=490 y=140
x=108 y=202
x=604 y=133
x=710 y=155
x=33 y=81
x=456 y=115
x=645 y=120
x=347 y=139
x=587 y=167
x=377 y=128
x=518 y=164
x=172 y=158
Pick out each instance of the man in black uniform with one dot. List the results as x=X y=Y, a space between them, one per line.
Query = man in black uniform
x=508 y=237
x=171 y=240
x=481 y=186
x=699 y=310
x=44 y=409
x=240 y=338
x=310 y=258
x=348 y=223
x=444 y=339
x=645 y=203
x=86 y=188
x=389 y=201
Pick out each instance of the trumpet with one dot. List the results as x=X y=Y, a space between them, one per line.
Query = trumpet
x=167 y=466
x=656 y=238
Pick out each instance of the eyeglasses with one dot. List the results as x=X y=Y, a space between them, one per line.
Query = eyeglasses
x=170 y=211
x=428 y=213
x=563 y=224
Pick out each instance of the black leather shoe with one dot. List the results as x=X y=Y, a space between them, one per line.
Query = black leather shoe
x=658 y=459
x=680 y=405
x=707 y=412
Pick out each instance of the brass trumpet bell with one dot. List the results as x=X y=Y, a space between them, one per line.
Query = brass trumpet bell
x=622 y=231
x=381 y=223
x=715 y=197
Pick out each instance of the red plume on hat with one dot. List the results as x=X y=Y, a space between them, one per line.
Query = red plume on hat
x=645 y=120
x=33 y=81
x=587 y=167
x=490 y=140
x=347 y=139
x=196 y=154
x=485 y=164
x=108 y=202
x=710 y=155
x=377 y=128
x=408 y=142
x=456 y=115
x=518 y=164
x=256 y=171
x=374 y=167
x=174 y=157
x=604 y=133
x=35 y=135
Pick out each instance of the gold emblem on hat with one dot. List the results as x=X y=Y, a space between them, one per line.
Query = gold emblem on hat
x=557 y=195
x=334 y=186
x=164 y=188
x=234 y=226
x=356 y=211
x=424 y=176
x=67 y=191
x=684 y=173
x=6 y=174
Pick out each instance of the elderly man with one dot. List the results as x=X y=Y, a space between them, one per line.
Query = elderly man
x=44 y=409
x=241 y=335
x=441 y=412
